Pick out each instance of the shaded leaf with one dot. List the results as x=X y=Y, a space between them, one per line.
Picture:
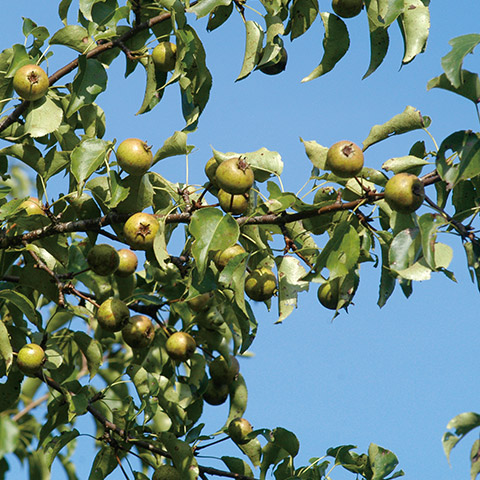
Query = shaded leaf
x=205 y=7
x=469 y=88
x=302 y=14
x=452 y=62
x=335 y=44
x=212 y=231
x=253 y=48
x=90 y=80
x=92 y=350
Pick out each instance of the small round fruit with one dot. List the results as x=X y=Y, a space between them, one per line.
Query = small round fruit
x=113 y=315
x=164 y=56
x=103 y=259
x=134 y=156
x=238 y=429
x=260 y=285
x=30 y=82
x=200 y=302
x=210 y=169
x=327 y=297
x=128 y=263
x=166 y=472
x=30 y=359
x=279 y=66
x=222 y=257
x=140 y=230
x=138 y=332
x=235 y=204
x=234 y=176
x=180 y=346
x=347 y=8
x=215 y=394
x=345 y=159
x=32 y=206
x=222 y=372
x=404 y=192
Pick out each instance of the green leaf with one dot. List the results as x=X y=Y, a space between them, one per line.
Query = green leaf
x=154 y=88
x=410 y=119
x=238 y=466
x=404 y=164
x=290 y=283
x=469 y=88
x=10 y=390
x=53 y=447
x=92 y=350
x=382 y=461
x=23 y=304
x=452 y=62
x=335 y=44
x=340 y=254
x=404 y=249
x=238 y=399
x=182 y=456
x=415 y=25
x=475 y=459
x=205 y=7
x=195 y=80
x=6 y=351
x=86 y=7
x=429 y=225
x=87 y=157
x=302 y=14
x=286 y=440
x=387 y=280
x=389 y=10
x=379 y=39
x=90 y=80
x=173 y=146
x=212 y=231
x=219 y=16
x=253 y=48
x=104 y=464
x=316 y=153
x=42 y=117
x=75 y=37
x=9 y=435
x=466 y=144
x=253 y=450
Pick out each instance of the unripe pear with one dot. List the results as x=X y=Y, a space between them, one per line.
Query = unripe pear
x=180 y=346
x=404 y=192
x=223 y=372
x=345 y=159
x=238 y=429
x=222 y=257
x=128 y=263
x=216 y=394
x=103 y=259
x=234 y=176
x=31 y=82
x=260 y=285
x=113 y=315
x=164 y=56
x=138 y=332
x=30 y=359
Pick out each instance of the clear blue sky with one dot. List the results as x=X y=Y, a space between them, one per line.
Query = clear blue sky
x=393 y=376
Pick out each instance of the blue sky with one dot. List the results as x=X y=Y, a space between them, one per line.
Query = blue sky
x=393 y=376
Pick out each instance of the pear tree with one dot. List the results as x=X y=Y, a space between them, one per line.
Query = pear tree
x=141 y=350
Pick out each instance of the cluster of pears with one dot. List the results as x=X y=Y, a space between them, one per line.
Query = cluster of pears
x=404 y=193
x=113 y=314
x=260 y=283
x=233 y=178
